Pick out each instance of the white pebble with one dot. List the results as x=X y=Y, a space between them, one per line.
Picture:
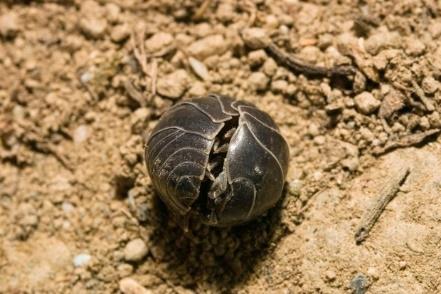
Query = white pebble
x=81 y=259
x=67 y=207
x=81 y=134
x=86 y=77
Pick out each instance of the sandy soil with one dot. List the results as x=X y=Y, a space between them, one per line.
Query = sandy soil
x=82 y=82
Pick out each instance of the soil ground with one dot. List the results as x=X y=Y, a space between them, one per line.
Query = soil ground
x=82 y=82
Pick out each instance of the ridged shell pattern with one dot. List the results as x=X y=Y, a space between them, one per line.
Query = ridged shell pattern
x=178 y=150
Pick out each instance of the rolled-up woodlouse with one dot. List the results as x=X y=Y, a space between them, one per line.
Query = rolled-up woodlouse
x=220 y=159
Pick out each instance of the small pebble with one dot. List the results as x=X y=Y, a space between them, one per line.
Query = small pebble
x=366 y=103
x=258 y=81
x=183 y=39
x=225 y=12
x=391 y=103
x=9 y=25
x=173 y=85
x=271 y=22
x=325 y=40
x=90 y=8
x=270 y=67
x=430 y=85
x=81 y=259
x=197 y=89
x=279 y=86
x=138 y=121
x=310 y=53
x=31 y=220
x=130 y=286
x=255 y=38
x=257 y=57
x=415 y=47
x=351 y=163
x=381 y=40
x=93 y=27
x=125 y=270
x=81 y=134
x=113 y=12
x=424 y=123
x=317 y=175
x=373 y=272
x=86 y=77
x=402 y=265
x=330 y=276
x=158 y=41
x=208 y=46
x=67 y=207
x=435 y=120
x=295 y=187
x=120 y=33
x=141 y=115
x=202 y=30
x=135 y=250
x=435 y=29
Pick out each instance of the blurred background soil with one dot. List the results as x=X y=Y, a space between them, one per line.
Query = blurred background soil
x=82 y=82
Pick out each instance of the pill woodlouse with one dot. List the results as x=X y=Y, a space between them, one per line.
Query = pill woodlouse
x=220 y=159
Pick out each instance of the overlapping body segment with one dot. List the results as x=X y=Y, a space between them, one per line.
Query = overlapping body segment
x=219 y=159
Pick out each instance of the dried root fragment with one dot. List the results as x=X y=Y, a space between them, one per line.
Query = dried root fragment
x=257 y=38
x=297 y=65
x=386 y=194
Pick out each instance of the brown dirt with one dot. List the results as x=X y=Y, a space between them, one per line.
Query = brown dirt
x=83 y=81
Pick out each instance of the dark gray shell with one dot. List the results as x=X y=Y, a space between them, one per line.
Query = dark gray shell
x=178 y=150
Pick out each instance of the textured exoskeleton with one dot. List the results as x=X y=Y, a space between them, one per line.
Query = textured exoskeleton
x=221 y=159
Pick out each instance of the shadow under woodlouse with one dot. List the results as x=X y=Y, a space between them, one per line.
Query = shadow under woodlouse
x=221 y=257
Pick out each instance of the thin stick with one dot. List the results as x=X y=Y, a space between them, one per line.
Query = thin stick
x=300 y=66
x=154 y=76
x=386 y=194
x=138 y=48
x=202 y=10
x=420 y=93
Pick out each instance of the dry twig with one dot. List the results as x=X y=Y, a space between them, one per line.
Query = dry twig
x=420 y=93
x=297 y=65
x=202 y=10
x=386 y=194
x=134 y=93
x=154 y=77
x=138 y=48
